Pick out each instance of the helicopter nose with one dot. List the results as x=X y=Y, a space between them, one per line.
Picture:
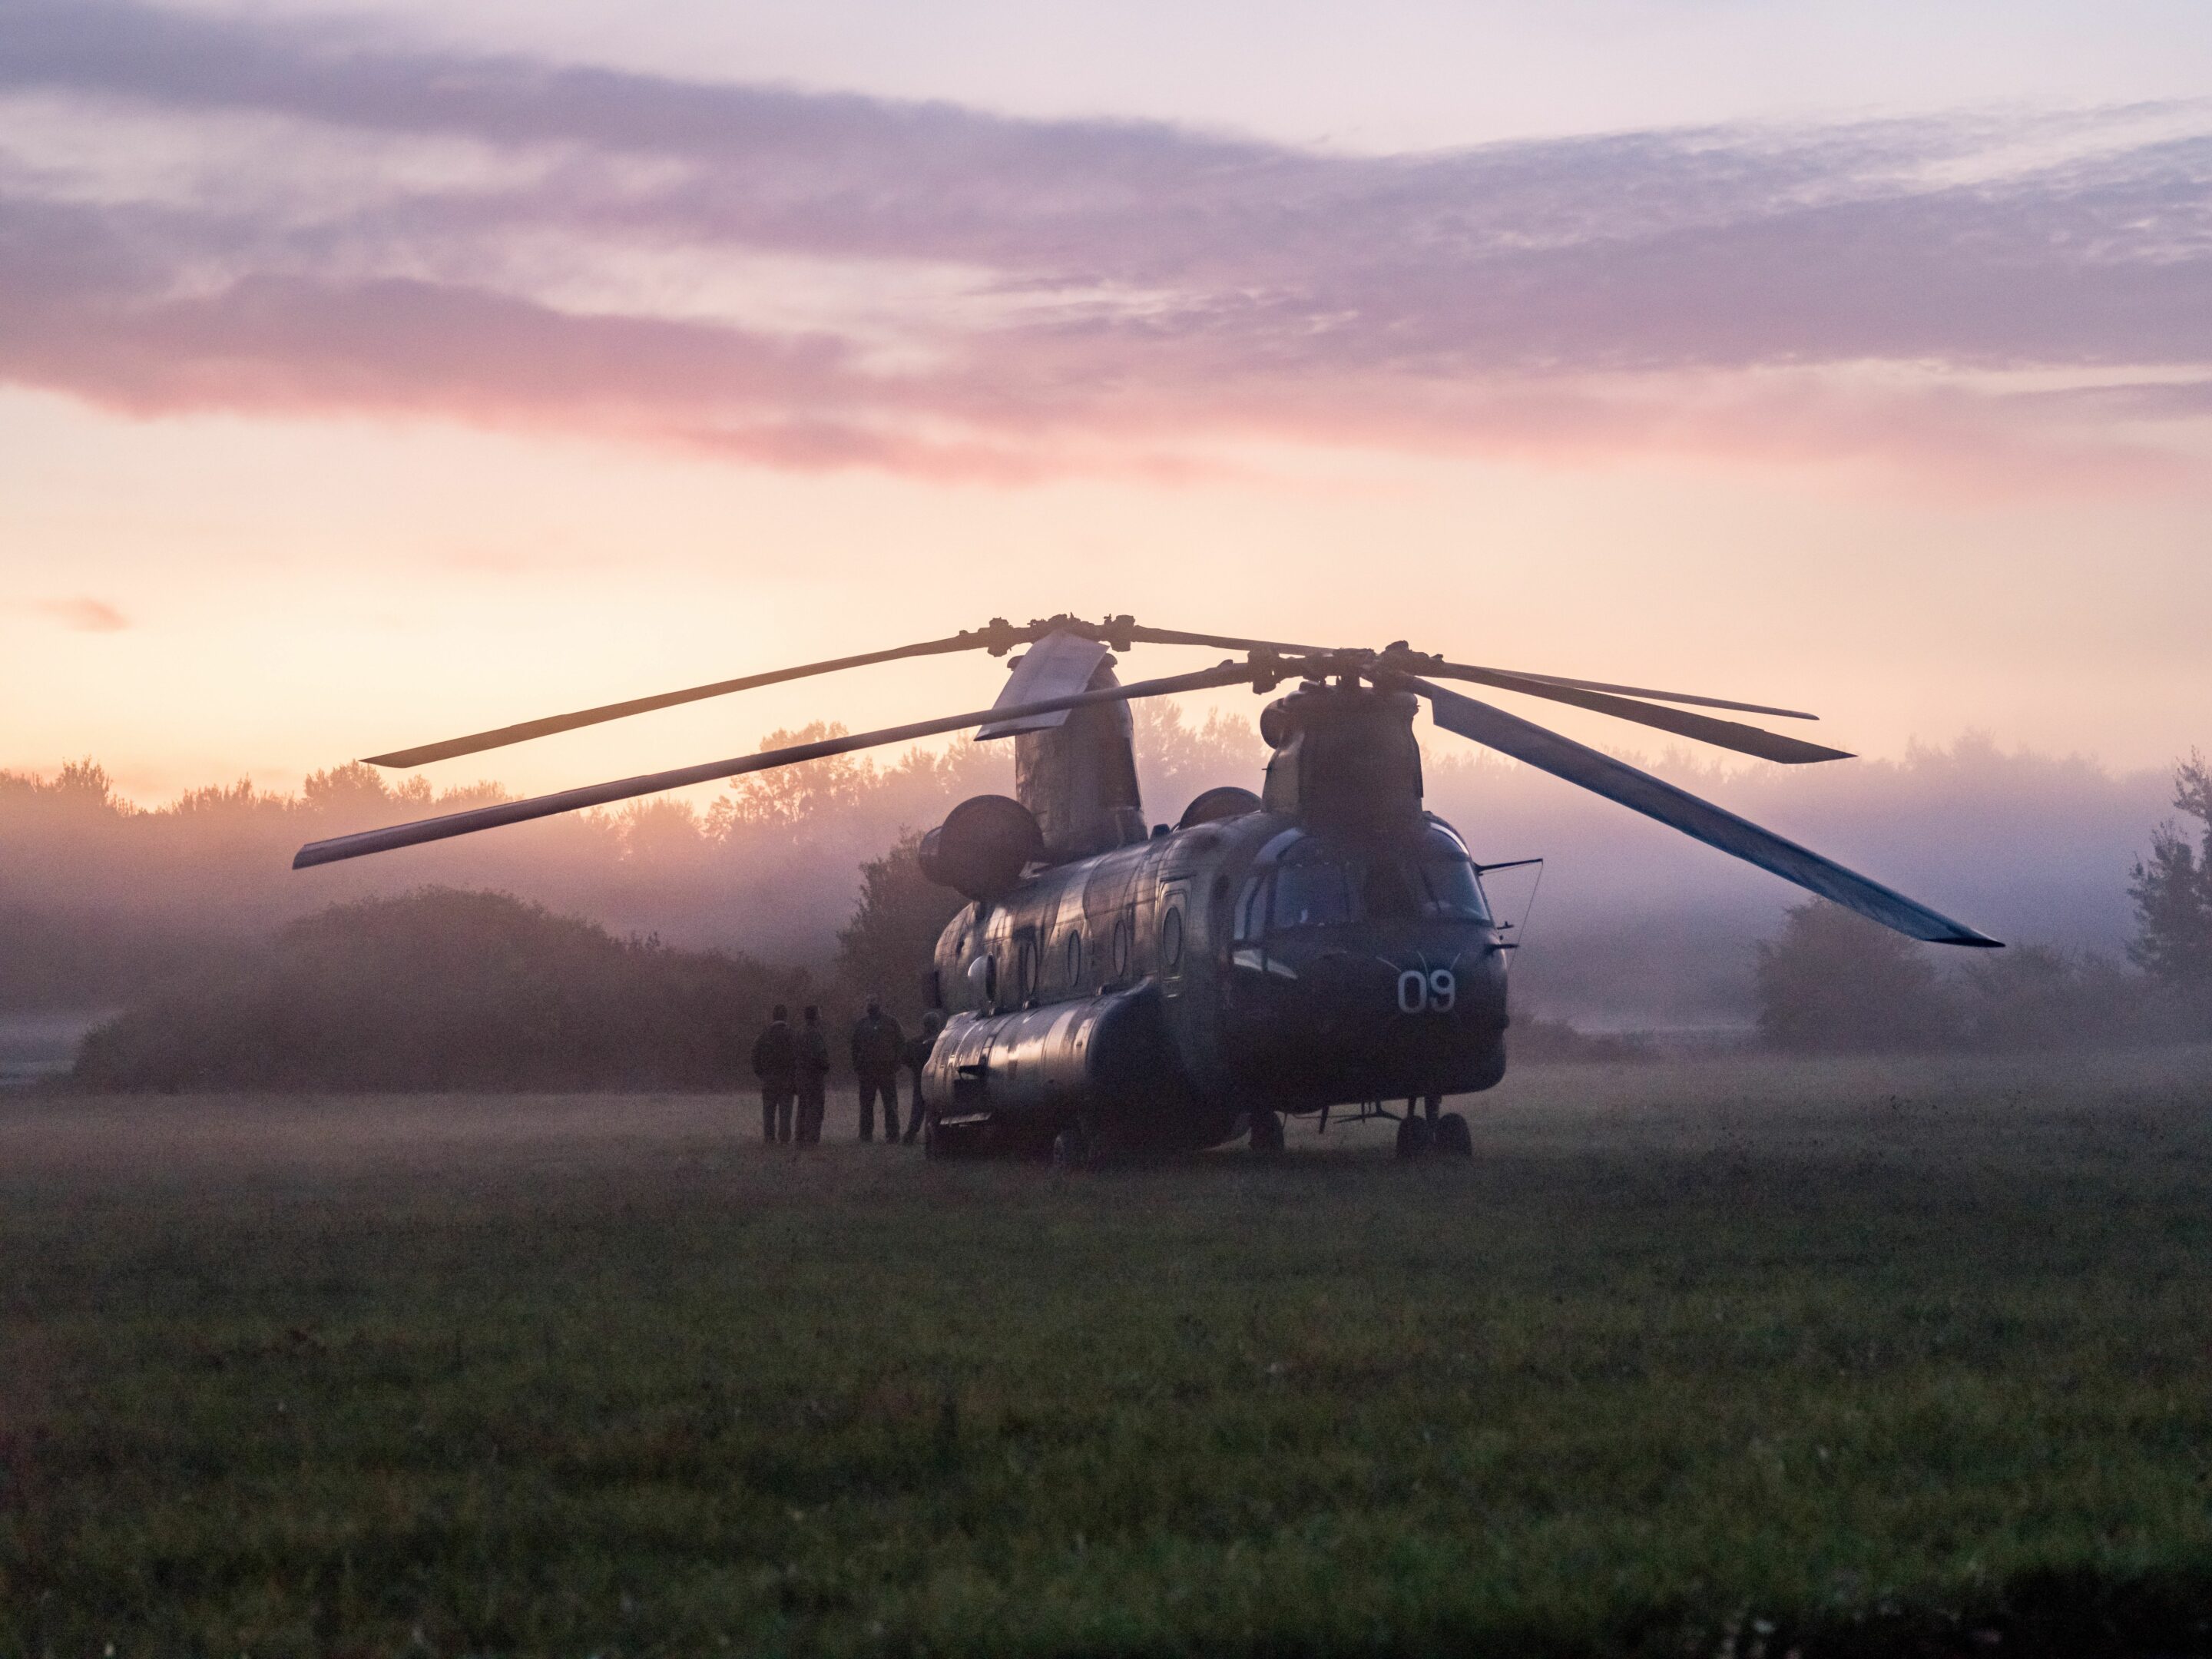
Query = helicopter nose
x=1379 y=991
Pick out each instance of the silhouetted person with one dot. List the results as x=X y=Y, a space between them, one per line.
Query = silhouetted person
x=775 y=1063
x=918 y=1047
x=878 y=1047
x=814 y=1056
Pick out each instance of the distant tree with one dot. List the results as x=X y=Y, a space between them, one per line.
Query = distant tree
x=2173 y=890
x=790 y=798
x=1835 y=980
x=885 y=948
x=1176 y=760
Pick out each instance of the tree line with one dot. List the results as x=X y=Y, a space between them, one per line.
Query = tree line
x=1834 y=981
x=102 y=901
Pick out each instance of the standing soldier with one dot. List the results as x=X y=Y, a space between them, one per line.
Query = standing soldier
x=775 y=1063
x=813 y=1068
x=917 y=1056
x=878 y=1044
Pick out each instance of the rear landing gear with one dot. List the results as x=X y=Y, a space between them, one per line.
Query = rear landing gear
x=1266 y=1132
x=1451 y=1138
x=1075 y=1147
x=1414 y=1136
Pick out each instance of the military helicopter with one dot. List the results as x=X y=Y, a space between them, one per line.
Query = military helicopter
x=1326 y=944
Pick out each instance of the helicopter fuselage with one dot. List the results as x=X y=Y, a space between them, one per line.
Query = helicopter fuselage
x=1160 y=993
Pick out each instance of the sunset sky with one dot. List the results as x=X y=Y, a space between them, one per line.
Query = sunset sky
x=373 y=372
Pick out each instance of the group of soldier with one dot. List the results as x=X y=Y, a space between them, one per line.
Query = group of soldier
x=794 y=1068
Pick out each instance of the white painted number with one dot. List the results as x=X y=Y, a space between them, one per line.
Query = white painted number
x=1419 y=992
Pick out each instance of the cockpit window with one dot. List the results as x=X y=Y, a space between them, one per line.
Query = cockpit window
x=1310 y=887
x=1453 y=891
x=1252 y=909
x=1310 y=894
x=1391 y=890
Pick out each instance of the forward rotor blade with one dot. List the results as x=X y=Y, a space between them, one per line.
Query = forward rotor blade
x=1725 y=734
x=601 y=794
x=500 y=737
x=1640 y=791
x=1138 y=634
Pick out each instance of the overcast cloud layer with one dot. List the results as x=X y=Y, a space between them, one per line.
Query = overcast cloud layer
x=197 y=215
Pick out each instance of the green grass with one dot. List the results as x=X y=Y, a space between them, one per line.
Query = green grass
x=1725 y=1357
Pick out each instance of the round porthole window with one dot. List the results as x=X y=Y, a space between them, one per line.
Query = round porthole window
x=1120 y=950
x=1171 y=942
x=1075 y=958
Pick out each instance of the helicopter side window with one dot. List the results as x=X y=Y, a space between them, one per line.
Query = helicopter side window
x=1074 y=960
x=1310 y=895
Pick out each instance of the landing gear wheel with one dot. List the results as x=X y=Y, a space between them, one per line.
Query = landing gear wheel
x=1412 y=1136
x=1073 y=1148
x=1452 y=1138
x=1266 y=1132
x=938 y=1142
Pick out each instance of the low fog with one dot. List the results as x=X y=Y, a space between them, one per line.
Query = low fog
x=1633 y=927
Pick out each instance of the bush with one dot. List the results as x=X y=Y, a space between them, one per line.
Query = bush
x=1836 y=980
x=446 y=989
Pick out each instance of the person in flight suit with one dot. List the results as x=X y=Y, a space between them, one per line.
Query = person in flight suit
x=917 y=1056
x=775 y=1063
x=813 y=1069
x=877 y=1043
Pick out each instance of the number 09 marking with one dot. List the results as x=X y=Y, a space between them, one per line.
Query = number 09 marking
x=1420 y=993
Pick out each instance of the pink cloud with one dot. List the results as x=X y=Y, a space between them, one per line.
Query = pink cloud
x=80 y=615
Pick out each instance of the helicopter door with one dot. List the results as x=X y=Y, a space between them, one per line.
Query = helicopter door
x=1175 y=937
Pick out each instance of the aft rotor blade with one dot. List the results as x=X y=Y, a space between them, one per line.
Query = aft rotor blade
x=500 y=737
x=1640 y=791
x=1726 y=734
x=1655 y=697
x=602 y=794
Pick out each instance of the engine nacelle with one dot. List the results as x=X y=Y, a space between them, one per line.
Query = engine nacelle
x=982 y=847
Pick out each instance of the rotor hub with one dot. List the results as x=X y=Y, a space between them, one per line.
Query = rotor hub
x=1344 y=756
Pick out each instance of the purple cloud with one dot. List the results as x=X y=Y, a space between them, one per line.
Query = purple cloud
x=1128 y=289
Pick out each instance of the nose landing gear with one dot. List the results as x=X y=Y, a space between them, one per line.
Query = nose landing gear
x=1426 y=1131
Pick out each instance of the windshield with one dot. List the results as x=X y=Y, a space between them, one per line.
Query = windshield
x=1310 y=894
x=1313 y=889
x=1453 y=891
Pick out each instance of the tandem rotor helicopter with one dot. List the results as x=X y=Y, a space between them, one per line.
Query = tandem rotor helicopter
x=1325 y=943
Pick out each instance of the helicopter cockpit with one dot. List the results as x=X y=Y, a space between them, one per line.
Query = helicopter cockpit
x=1302 y=880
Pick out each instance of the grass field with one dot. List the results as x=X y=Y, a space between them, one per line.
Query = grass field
x=1721 y=1357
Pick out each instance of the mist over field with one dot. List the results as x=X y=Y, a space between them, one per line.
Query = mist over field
x=1633 y=927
